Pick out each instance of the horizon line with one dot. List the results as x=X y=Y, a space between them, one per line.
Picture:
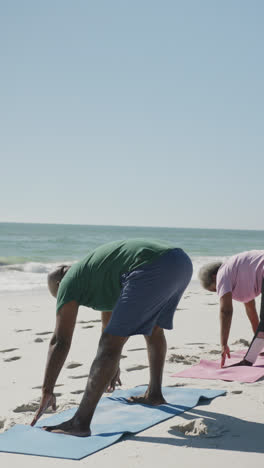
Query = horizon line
x=132 y=226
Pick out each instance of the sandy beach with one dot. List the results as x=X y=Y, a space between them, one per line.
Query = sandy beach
x=228 y=430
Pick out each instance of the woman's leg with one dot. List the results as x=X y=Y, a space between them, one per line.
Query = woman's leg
x=257 y=344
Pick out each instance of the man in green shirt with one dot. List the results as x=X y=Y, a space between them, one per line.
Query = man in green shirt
x=137 y=285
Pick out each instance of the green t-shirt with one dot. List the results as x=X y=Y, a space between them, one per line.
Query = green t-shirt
x=95 y=281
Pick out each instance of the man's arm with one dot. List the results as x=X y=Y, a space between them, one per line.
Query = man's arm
x=226 y=313
x=252 y=314
x=58 y=350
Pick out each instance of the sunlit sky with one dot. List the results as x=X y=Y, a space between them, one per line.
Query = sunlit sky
x=138 y=112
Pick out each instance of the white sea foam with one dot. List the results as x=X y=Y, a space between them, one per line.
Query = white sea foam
x=24 y=277
x=33 y=267
x=33 y=275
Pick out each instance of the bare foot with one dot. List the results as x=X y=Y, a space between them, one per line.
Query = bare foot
x=244 y=362
x=71 y=427
x=152 y=400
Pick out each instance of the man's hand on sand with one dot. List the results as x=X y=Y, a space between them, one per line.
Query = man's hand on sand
x=47 y=400
x=225 y=352
x=114 y=382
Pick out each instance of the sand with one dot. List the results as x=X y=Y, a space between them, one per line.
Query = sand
x=229 y=430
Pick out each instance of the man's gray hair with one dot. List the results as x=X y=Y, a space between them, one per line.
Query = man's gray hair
x=207 y=273
x=55 y=277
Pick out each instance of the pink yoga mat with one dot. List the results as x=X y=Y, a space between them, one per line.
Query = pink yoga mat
x=212 y=370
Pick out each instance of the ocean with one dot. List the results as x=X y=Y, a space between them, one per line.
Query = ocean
x=29 y=251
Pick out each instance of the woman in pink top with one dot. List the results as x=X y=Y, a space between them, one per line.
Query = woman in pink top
x=241 y=278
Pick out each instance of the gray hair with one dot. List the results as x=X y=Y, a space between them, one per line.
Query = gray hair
x=207 y=273
x=55 y=277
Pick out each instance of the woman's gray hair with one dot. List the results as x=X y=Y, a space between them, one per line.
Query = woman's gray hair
x=207 y=273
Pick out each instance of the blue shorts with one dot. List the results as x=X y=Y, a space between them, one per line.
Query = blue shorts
x=150 y=295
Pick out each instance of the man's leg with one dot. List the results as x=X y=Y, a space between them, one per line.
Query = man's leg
x=157 y=348
x=103 y=368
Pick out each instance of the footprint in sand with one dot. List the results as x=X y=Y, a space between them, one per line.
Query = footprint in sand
x=78 y=376
x=30 y=407
x=77 y=392
x=237 y=392
x=44 y=333
x=22 y=330
x=14 y=309
x=137 y=349
x=177 y=385
x=72 y=365
x=88 y=321
x=2 y=423
x=214 y=351
x=212 y=303
x=39 y=340
x=13 y=358
x=195 y=344
x=88 y=326
x=139 y=367
x=179 y=358
x=8 y=350
x=39 y=387
x=123 y=356
x=241 y=341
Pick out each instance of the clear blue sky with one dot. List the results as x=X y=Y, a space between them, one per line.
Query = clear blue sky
x=138 y=112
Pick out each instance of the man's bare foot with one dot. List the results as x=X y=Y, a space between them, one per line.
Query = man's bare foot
x=146 y=399
x=71 y=427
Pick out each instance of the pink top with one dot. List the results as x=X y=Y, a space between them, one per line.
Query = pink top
x=241 y=274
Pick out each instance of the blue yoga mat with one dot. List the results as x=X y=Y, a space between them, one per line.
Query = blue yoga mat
x=113 y=418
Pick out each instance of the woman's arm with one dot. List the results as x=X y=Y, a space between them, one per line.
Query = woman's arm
x=252 y=314
x=226 y=312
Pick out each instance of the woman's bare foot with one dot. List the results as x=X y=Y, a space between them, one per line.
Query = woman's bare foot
x=71 y=427
x=147 y=399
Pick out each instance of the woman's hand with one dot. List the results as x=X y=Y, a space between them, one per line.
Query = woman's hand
x=47 y=400
x=225 y=352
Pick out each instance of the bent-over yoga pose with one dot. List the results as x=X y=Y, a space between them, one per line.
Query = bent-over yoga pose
x=241 y=278
x=137 y=285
